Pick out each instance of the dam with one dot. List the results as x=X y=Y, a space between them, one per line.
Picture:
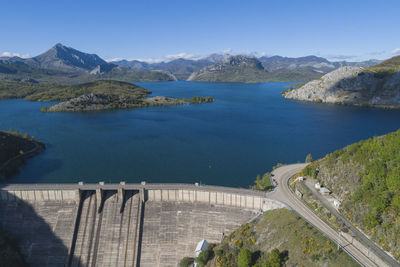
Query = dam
x=122 y=224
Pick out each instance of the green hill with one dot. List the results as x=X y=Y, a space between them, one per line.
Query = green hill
x=366 y=177
x=105 y=87
x=280 y=237
x=389 y=66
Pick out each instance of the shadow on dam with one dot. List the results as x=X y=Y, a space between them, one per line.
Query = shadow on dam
x=41 y=231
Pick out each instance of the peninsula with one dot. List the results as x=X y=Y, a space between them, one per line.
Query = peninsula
x=376 y=86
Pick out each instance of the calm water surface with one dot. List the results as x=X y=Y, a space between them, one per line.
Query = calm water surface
x=245 y=132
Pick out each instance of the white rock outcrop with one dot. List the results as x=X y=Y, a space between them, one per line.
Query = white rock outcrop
x=351 y=85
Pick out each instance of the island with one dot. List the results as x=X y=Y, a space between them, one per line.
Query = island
x=104 y=95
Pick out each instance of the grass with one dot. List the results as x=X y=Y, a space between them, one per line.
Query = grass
x=298 y=242
x=386 y=68
x=104 y=87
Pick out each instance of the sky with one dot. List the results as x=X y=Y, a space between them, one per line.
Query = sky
x=165 y=29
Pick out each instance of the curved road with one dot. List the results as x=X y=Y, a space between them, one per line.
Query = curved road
x=284 y=194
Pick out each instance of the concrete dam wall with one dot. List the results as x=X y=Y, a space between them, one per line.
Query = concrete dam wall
x=122 y=224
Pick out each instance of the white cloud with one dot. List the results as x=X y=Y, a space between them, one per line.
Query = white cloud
x=340 y=57
x=376 y=53
x=396 y=51
x=170 y=57
x=227 y=51
x=9 y=54
x=114 y=59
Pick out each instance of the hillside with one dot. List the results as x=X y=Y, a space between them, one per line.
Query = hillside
x=375 y=86
x=14 y=148
x=250 y=70
x=277 y=237
x=365 y=176
x=232 y=69
x=106 y=87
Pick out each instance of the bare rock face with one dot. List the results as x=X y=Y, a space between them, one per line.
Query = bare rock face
x=84 y=103
x=226 y=65
x=351 y=85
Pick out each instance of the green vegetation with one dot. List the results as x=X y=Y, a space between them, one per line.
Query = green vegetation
x=205 y=255
x=278 y=238
x=309 y=158
x=103 y=87
x=244 y=258
x=386 y=68
x=366 y=177
x=14 y=148
x=186 y=262
x=10 y=90
x=264 y=183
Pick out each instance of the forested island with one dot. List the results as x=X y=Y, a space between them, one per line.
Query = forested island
x=97 y=95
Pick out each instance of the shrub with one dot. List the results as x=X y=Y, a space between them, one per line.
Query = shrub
x=244 y=258
x=186 y=261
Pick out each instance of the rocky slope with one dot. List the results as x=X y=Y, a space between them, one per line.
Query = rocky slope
x=93 y=102
x=375 y=86
x=232 y=69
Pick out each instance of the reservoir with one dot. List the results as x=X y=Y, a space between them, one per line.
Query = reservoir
x=246 y=131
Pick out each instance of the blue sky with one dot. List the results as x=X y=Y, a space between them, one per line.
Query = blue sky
x=339 y=30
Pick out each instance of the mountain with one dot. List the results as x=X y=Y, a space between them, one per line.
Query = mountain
x=378 y=85
x=363 y=64
x=232 y=69
x=66 y=65
x=365 y=177
x=181 y=68
x=67 y=59
x=277 y=62
x=62 y=58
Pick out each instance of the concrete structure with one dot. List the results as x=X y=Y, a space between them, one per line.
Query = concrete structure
x=324 y=191
x=202 y=245
x=122 y=224
x=317 y=186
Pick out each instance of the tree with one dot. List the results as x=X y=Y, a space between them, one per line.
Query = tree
x=244 y=258
x=274 y=259
x=186 y=261
x=309 y=158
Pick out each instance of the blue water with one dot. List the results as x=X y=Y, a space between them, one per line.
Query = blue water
x=247 y=130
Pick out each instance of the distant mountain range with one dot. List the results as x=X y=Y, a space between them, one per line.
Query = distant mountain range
x=279 y=68
x=68 y=65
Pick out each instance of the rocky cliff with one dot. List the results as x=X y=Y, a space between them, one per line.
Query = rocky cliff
x=373 y=86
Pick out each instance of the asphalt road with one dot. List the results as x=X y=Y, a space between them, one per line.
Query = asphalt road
x=283 y=193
